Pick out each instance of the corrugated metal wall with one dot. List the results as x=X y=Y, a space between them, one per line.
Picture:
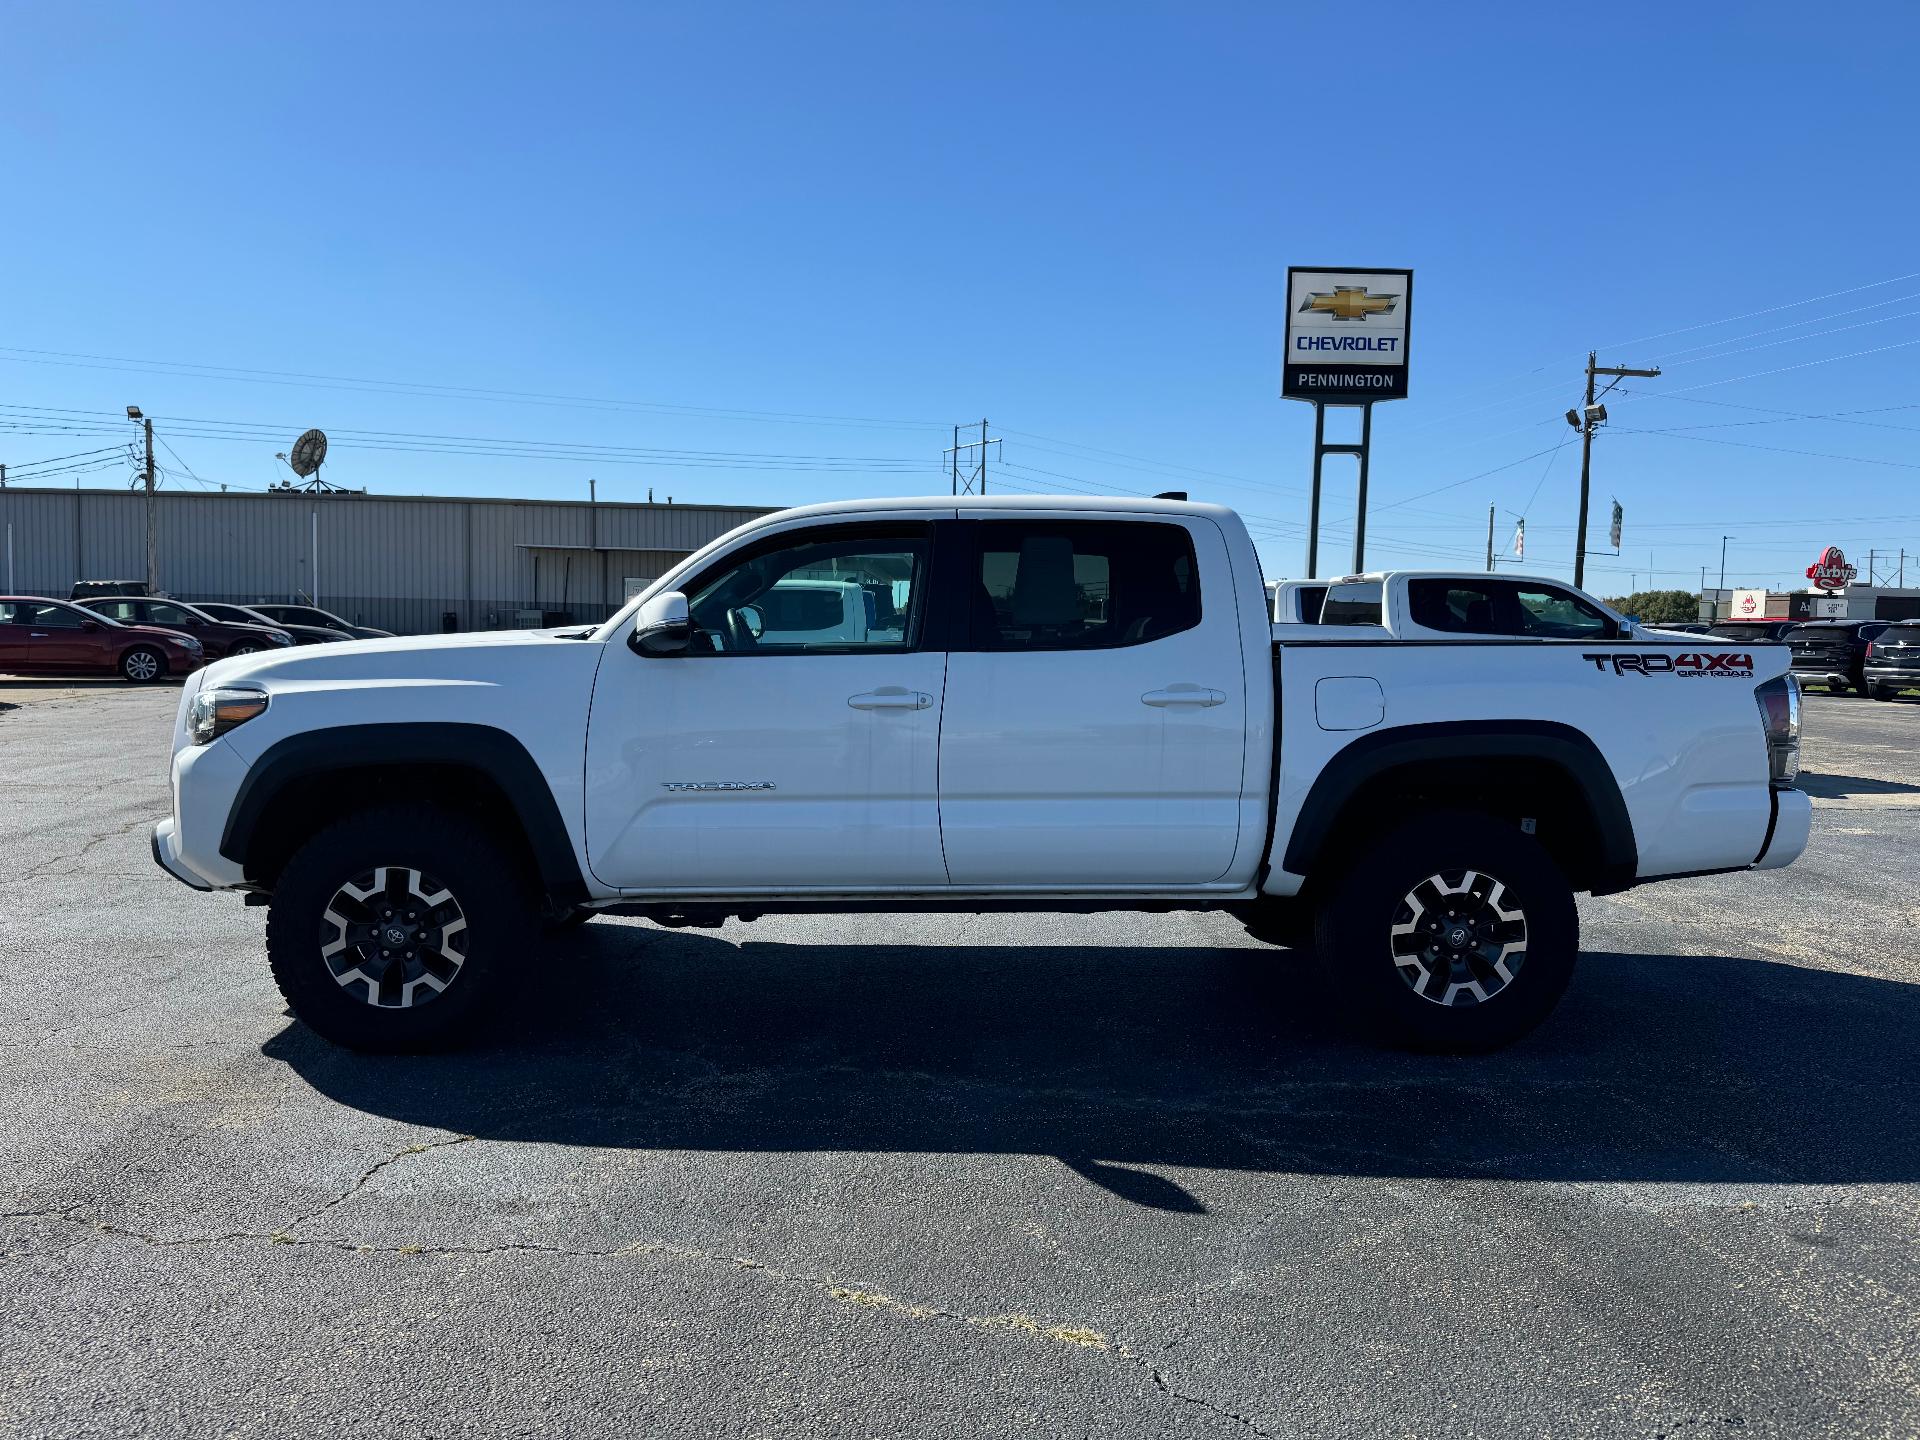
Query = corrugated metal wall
x=400 y=563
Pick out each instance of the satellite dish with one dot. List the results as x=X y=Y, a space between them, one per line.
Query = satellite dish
x=308 y=451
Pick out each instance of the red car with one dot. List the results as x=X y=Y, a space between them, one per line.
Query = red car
x=220 y=638
x=51 y=637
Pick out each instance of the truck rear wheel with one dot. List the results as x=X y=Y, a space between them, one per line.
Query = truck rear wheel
x=391 y=930
x=1454 y=933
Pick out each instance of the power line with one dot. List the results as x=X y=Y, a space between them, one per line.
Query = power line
x=1456 y=484
x=1776 y=449
x=304 y=380
x=1796 y=339
x=52 y=459
x=1802 y=365
x=1842 y=417
x=418 y=442
x=1770 y=310
x=1795 y=325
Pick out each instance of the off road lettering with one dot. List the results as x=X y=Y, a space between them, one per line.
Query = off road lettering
x=1732 y=665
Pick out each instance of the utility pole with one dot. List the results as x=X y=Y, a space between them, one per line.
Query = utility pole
x=1489 y=539
x=1723 y=560
x=1591 y=416
x=973 y=479
x=153 y=567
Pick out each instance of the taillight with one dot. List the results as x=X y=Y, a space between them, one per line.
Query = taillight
x=1780 y=720
x=1869 y=649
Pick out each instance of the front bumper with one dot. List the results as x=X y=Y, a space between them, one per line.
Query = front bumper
x=187 y=843
x=166 y=854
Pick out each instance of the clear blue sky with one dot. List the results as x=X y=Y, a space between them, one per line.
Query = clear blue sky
x=1073 y=219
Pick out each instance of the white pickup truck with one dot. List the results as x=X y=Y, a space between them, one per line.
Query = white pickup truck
x=1060 y=704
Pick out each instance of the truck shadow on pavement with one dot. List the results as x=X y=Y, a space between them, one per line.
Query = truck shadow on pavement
x=1657 y=1068
x=1841 y=787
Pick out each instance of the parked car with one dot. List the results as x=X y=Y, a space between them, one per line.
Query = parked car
x=1893 y=660
x=320 y=619
x=1833 y=652
x=220 y=637
x=1752 y=632
x=1087 y=707
x=53 y=637
x=242 y=615
x=1681 y=627
x=87 y=589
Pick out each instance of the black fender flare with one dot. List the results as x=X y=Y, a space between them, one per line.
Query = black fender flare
x=484 y=748
x=1469 y=740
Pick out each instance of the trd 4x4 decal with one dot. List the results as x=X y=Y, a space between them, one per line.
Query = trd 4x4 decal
x=1730 y=666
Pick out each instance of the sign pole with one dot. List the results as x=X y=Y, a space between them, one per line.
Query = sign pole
x=1313 y=510
x=1360 y=515
x=1346 y=346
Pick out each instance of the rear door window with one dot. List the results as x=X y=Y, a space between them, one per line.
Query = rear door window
x=1554 y=614
x=51 y=617
x=1458 y=606
x=1356 y=603
x=1080 y=584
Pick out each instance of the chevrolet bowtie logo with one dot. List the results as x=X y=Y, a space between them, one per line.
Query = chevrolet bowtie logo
x=1350 y=302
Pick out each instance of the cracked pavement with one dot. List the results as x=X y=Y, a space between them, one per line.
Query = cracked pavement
x=984 y=1175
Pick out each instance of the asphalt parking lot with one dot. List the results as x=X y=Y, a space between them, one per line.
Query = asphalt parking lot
x=955 y=1176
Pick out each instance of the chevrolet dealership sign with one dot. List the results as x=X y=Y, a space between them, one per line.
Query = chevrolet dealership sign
x=1347 y=335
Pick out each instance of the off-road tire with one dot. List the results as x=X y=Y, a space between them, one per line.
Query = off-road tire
x=569 y=922
x=142 y=665
x=491 y=895
x=1356 y=946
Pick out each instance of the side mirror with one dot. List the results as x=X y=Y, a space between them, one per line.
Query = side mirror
x=89 y=624
x=663 y=625
x=1627 y=629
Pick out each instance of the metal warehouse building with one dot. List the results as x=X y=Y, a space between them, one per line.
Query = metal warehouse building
x=400 y=562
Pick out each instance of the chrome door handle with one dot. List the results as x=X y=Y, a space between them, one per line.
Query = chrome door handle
x=890 y=697
x=36 y=634
x=1197 y=695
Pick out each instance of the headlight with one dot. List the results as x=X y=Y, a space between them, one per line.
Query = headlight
x=187 y=642
x=279 y=637
x=218 y=710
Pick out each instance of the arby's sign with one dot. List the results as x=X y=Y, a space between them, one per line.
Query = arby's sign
x=1831 y=571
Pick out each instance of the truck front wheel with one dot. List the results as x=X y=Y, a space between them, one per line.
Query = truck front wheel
x=391 y=930
x=1455 y=932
